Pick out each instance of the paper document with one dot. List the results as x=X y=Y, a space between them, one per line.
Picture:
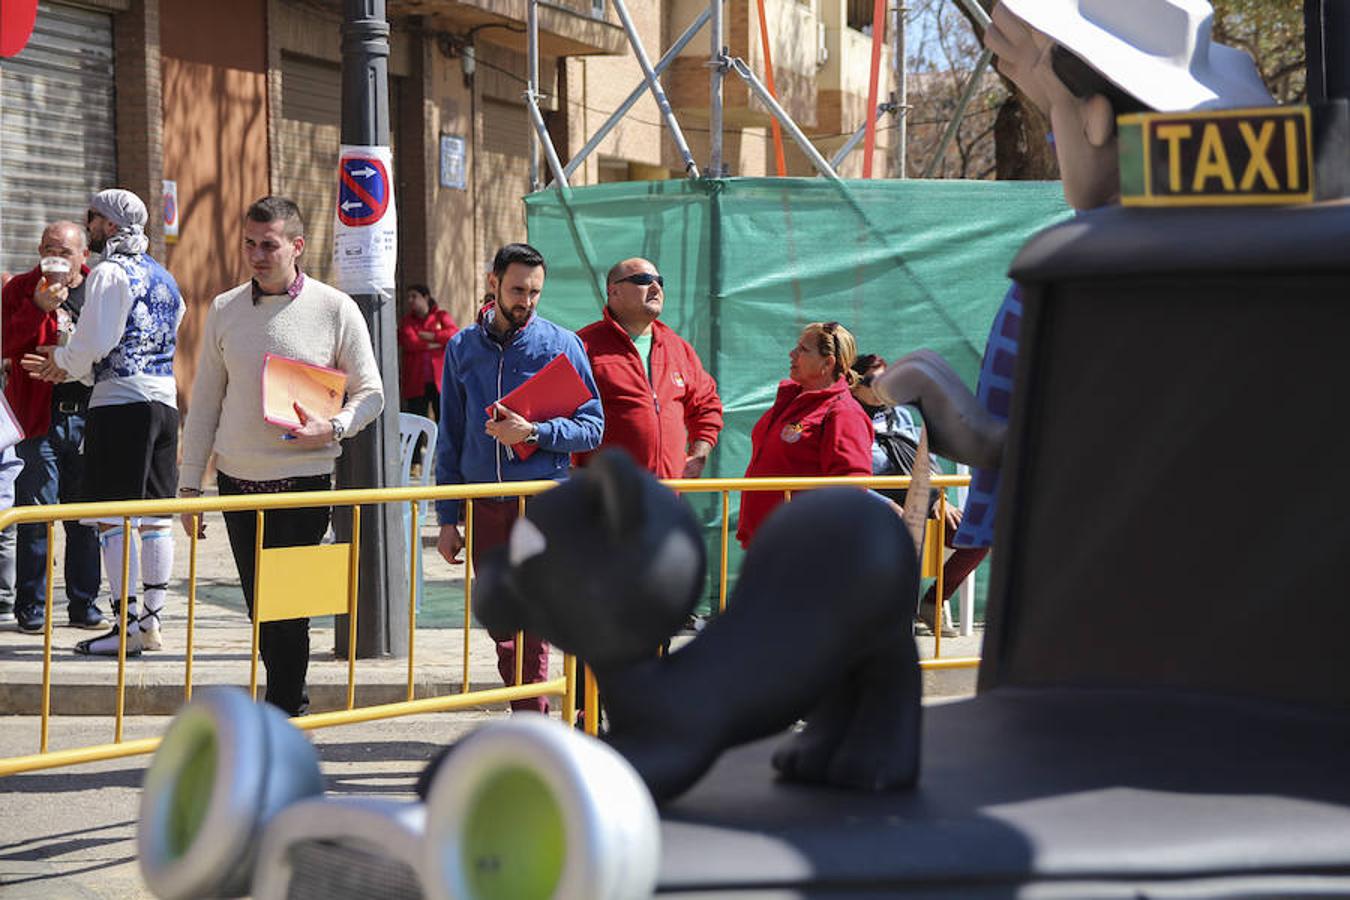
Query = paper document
x=287 y=381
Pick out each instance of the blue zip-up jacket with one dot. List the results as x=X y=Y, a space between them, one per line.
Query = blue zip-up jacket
x=479 y=370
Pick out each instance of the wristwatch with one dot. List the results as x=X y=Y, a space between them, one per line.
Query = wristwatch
x=338 y=430
x=533 y=436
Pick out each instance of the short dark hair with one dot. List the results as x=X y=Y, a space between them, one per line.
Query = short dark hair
x=274 y=209
x=425 y=292
x=517 y=253
x=1083 y=81
x=865 y=363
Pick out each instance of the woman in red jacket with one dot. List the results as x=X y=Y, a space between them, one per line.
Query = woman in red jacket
x=814 y=428
x=422 y=335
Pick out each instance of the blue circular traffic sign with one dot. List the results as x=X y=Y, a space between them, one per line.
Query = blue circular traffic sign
x=363 y=190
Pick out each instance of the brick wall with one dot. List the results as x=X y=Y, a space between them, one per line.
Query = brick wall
x=140 y=103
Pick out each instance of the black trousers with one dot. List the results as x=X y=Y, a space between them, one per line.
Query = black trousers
x=283 y=646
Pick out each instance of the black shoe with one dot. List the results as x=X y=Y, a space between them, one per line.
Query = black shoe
x=86 y=616
x=31 y=619
x=108 y=644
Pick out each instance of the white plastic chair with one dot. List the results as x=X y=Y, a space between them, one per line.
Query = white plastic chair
x=411 y=428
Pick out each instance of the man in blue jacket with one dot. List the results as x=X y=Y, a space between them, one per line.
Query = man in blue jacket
x=483 y=363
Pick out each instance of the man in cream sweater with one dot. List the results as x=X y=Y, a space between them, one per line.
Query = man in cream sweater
x=284 y=312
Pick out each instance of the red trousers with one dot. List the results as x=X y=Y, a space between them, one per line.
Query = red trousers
x=955 y=570
x=492 y=520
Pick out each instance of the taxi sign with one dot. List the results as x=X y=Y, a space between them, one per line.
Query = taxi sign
x=1231 y=157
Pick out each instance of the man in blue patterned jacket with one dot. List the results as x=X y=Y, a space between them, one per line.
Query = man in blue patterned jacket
x=126 y=337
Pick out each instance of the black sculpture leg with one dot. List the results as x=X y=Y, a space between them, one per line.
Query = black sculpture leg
x=806 y=755
x=880 y=750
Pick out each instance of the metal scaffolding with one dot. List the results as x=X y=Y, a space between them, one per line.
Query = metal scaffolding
x=720 y=62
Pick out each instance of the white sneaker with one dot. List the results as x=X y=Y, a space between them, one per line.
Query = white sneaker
x=150 y=632
x=107 y=644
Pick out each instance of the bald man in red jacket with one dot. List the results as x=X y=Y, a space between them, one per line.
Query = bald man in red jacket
x=660 y=404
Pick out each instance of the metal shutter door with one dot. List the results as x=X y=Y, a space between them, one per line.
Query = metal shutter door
x=57 y=139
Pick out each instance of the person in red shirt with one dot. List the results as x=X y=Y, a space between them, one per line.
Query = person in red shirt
x=815 y=428
x=422 y=336
x=40 y=309
x=660 y=404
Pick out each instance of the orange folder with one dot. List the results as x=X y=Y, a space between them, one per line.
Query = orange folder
x=287 y=381
x=555 y=390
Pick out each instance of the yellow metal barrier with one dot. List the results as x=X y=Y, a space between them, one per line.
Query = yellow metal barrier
x=564 y=688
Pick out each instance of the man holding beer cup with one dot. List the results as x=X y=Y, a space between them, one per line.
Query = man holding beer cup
x=40 y=308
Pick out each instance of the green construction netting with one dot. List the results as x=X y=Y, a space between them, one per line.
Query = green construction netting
x=748 y=261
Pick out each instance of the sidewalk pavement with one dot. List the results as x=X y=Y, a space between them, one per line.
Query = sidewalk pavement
x=86 y=686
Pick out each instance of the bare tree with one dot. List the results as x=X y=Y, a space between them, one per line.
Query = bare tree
x=944 y=50
x=948 y=39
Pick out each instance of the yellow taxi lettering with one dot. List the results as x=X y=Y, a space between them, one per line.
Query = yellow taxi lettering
x=1213 y=161
x=1291 y=153
x=1259 y=145
x=1174 y=135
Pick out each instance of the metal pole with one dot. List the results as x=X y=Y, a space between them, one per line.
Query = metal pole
x=822 y=166
x=857 y=136
x=654 y=85
x=717 y=71
x=966 y=96
x=532 y=88
x=370 y=459
x=541 y=132
x=637 y=92
x=901 y=146
x=977 y=13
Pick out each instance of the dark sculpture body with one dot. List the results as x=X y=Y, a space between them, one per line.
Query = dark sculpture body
x=817 y=628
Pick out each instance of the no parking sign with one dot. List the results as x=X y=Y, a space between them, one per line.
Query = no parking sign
x=365 y=240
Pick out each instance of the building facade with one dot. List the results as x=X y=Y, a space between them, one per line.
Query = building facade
x=233 y=101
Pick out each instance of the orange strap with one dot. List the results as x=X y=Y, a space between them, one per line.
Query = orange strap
x=873 y=85
x=768 y=82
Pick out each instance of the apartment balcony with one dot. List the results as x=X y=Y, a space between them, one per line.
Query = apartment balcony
x=566 y=27
x=796 y=38
x=844 y=79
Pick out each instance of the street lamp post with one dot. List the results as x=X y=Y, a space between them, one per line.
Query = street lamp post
x=370 y=459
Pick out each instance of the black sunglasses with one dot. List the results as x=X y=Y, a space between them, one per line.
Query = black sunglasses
x=644 y=279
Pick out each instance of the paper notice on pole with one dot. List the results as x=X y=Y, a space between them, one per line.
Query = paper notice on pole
x=365 y=240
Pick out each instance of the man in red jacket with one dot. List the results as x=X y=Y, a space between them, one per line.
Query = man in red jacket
x=660 y=404
x=40 y=310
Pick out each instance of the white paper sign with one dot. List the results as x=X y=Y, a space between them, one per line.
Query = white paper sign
x=365 y=240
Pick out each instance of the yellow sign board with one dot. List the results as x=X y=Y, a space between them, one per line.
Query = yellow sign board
x=1232 y=157
x=300 y=582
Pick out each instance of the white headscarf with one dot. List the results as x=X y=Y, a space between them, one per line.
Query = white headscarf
x=127 y=211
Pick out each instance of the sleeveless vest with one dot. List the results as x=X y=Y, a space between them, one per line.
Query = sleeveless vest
x=151 y=335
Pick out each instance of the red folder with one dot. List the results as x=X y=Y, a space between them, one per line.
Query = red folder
x=555 y=390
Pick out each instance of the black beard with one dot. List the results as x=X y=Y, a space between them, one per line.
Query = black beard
x=97 y=244
x=513 y=317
